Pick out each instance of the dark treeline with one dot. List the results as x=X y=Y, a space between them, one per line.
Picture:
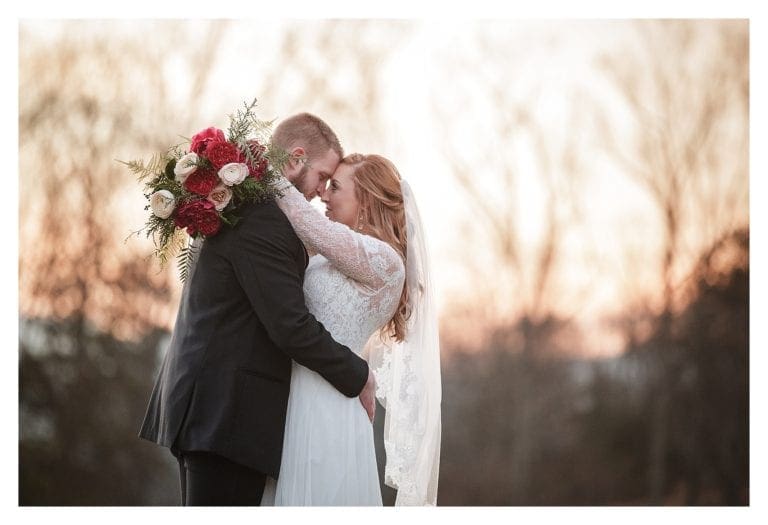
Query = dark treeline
x=589 y=430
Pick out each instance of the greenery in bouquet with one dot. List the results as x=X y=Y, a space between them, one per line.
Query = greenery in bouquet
x=195 y=191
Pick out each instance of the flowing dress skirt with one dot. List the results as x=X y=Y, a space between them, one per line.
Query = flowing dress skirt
x=328 y=450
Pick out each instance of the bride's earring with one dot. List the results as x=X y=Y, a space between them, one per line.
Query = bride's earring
x=360 y=220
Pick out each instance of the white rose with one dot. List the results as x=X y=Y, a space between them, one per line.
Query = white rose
x=163 y=203
x=233 y=173
x=220 y=196
x=185 y=166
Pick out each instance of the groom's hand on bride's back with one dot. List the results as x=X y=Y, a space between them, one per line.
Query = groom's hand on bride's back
x=368 y=396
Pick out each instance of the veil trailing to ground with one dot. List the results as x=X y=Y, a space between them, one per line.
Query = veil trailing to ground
x=408 y=378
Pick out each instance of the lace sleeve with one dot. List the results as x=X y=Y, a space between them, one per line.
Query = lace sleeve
x=365 y=259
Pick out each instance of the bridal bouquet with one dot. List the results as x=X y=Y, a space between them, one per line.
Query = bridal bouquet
x=196 y=190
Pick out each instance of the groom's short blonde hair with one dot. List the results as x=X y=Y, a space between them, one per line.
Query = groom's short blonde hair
x=309 y=132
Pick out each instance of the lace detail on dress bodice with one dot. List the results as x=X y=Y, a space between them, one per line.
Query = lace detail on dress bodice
x=354 y=284
x=346 y=311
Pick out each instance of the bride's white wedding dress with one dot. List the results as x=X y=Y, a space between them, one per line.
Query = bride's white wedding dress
x=352 y=285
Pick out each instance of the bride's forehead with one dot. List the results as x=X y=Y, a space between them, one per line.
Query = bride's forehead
x=342 y=173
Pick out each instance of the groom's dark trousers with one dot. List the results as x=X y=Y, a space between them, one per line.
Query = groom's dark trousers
x=222 y=388
x=210 y=479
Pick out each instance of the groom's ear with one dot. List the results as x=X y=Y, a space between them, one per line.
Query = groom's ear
x=297 y=153
x=294 y=159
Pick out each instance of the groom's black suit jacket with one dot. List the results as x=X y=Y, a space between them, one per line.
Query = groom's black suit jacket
x=223 y=384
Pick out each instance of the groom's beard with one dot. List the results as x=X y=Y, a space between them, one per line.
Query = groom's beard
x=299 y=180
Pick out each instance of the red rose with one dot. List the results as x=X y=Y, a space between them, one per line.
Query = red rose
x=199 y=215
x=259 y=168
x=202 y=181
x=221 y=153
x=201 y=141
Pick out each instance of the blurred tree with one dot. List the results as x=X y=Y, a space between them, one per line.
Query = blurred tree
x=315 y=71
x=79 y=411
x=523 y=179
x=592 y=416
x=483 y=437
x=95 y=305
x=687 y=99
x=76 y=115
x=702 y=363
x=686 y=87
x=709 y=431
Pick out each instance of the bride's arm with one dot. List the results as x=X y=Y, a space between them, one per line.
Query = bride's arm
x=362 y=258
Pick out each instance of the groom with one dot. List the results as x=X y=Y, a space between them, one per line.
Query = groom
x=220 y=399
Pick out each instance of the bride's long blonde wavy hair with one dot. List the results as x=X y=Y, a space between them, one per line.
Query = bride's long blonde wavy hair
x=377 y=188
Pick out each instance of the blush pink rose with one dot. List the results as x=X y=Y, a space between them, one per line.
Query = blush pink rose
x=220 y=196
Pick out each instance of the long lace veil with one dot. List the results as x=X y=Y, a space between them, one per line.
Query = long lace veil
x=408 y=378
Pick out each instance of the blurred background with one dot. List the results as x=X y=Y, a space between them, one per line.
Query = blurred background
x=584 y=184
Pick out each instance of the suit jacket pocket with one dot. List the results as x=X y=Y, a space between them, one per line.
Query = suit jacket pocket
x=262 y=375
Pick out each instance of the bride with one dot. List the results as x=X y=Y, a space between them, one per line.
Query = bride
x=367 y=282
